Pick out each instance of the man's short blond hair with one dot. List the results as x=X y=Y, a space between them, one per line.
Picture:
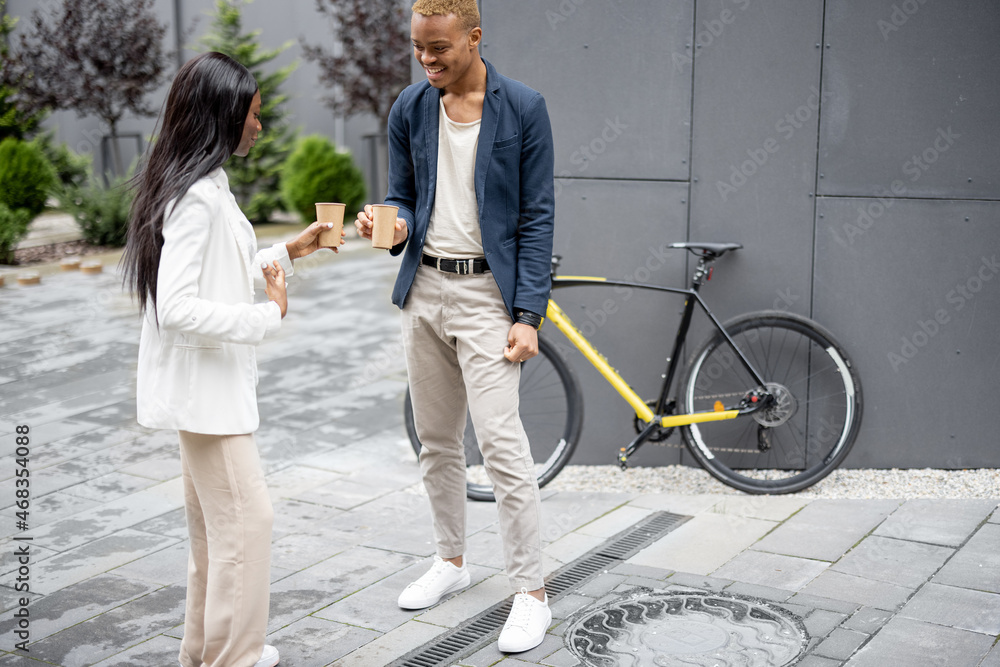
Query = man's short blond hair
x=466 y=10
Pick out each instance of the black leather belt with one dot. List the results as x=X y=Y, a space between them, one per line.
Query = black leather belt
x=460 y=266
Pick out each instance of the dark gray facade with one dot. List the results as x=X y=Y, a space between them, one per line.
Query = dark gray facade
x=852 y=148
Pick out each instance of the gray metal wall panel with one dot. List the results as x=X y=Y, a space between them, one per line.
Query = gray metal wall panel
x=913 y=297
x=618 y=107
x=756 y=102
x=618 y=229
x=914 y=92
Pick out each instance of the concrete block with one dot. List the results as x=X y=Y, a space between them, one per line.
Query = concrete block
x=759 y=592
x=948 y=522
x=160 y=650
x=614 y=522
x=703 y=544
x=826 y=529
x=841 y=644
x=163 y=567
x=867 y=620
x=955 y=607
x=820 y=623
x=77 y=603
x=913 y=643
x=772 y=570
x=879 y=558
x=770 y=508
x=109 y=487
x=858 y=590
x=391 y=645
x=468 y=603
x=111 y=632
x=111 y=517
x=93 y=558
x=678 y=503
x=977 y=563
x=571 y=546
x=314 y=642
x=375 y=607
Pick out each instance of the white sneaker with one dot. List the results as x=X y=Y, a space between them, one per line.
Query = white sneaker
x=525 y=627
x=441 y=579
x=269 y=658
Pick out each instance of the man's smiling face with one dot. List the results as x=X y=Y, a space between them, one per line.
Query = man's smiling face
x=443 y=47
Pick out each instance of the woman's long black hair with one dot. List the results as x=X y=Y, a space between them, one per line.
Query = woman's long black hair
x=202 y=126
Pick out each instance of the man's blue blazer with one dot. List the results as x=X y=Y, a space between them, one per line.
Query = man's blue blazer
x=514 y=187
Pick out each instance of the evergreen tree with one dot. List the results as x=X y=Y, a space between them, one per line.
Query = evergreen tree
x=254 y=179
x=14 y=121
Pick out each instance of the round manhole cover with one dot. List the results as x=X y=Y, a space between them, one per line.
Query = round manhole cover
x=690 y=628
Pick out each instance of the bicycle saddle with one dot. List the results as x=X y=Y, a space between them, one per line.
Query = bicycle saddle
x=712 y=250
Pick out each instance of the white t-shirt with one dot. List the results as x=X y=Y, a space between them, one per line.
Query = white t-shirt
x=454 y=224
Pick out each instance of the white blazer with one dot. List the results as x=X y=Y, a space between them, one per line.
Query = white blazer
x=197 y=369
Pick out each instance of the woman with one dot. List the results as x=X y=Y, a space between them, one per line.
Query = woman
x=192 y=260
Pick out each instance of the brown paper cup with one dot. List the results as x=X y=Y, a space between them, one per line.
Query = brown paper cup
x=334 y=213
x=383 y=225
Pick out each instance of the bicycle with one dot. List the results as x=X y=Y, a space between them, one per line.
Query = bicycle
x=793 y=398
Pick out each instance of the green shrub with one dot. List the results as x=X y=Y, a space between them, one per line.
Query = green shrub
x=13 y=227
x=71 y=168
x=316 y=172
x=101 y=212
x=26 y=177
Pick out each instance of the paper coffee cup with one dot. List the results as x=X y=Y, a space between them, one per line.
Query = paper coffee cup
x=383 y=225
x=69 y=263
x=329 y=212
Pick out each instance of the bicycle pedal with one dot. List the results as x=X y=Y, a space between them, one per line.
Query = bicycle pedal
x=623 y=459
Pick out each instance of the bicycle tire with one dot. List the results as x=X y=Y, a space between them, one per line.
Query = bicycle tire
x=794 y=443
x=551 y=409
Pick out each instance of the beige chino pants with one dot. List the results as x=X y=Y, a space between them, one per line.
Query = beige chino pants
x=454 y=332
x=229 y=518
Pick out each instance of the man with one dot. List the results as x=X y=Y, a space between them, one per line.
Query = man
x=471 y=169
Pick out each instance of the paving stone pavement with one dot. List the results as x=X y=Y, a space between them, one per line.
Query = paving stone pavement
x=874 y=582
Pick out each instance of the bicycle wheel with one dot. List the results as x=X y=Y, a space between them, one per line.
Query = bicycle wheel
x=808 y=430
x=551 y=408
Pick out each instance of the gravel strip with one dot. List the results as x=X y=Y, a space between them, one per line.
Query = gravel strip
x=843 y=483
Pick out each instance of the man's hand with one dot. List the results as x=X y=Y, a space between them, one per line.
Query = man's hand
x=522 y=343
x=275 y=288
x=364 y=226
x=307 y=242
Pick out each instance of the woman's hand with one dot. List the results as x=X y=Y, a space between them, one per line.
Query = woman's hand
x=275 y=288
x=364 y=226
x=307 y=242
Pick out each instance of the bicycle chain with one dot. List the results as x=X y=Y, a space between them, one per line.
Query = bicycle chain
x=731 y=450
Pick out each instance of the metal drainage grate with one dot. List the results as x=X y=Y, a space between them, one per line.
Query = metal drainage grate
x=690 y=628
x=475 y=633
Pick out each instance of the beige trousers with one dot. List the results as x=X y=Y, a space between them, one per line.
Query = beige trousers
x=454 y=332
x=229 y=518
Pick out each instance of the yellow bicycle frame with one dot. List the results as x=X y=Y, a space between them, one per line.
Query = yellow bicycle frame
x=600 y=362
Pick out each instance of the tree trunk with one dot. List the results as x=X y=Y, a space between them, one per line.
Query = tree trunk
x=116 y=150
